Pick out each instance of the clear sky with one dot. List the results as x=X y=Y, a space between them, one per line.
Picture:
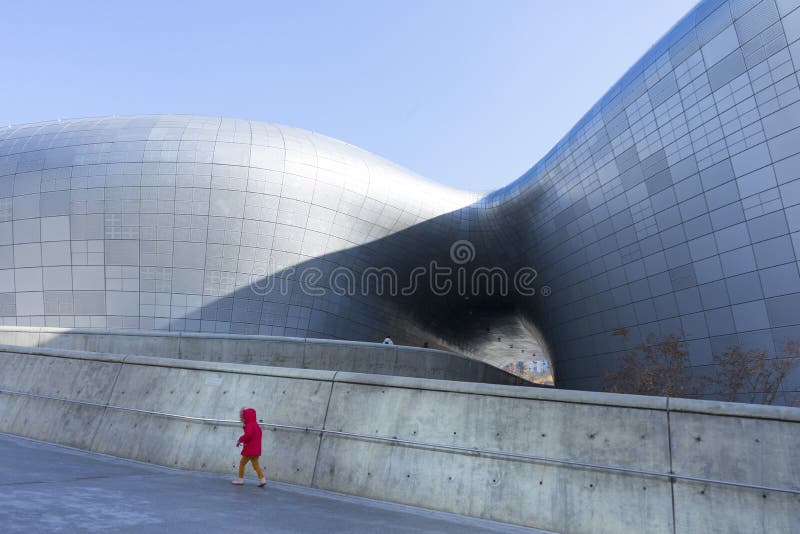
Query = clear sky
x=467 y=93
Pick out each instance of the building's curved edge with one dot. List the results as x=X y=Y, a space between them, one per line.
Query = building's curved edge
x=670 y=207
x=670 y=37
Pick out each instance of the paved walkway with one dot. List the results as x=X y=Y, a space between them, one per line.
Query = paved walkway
x=48 y=488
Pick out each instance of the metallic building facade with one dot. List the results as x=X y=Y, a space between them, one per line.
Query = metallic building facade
x=181 y=223
x=673 y=206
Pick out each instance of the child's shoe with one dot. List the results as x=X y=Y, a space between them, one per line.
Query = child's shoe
x=238 y=482
x=262 y=482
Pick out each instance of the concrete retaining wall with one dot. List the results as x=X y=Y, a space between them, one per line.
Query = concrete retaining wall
x=298 y=353
x=737 y=443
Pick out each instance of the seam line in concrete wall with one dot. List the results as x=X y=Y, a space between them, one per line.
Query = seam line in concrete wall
x=456 y=389
x=739 y=415
x=322 y=431
x=108 y=401
x=420 y=444
x=671 y=471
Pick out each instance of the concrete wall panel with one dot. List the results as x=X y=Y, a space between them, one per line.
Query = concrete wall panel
x=525 y=493
x=751 y=451
x=163 y=399
x=705 y=508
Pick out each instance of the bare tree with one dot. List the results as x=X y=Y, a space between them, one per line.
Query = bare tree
x=656 y=367
x=751 y=375
x=659 y=366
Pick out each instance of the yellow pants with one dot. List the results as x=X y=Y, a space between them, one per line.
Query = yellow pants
x=243 y=462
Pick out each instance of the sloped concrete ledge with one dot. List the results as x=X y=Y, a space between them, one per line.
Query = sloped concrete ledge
x=274 y=351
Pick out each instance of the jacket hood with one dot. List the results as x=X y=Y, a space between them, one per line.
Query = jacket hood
x=248 y=415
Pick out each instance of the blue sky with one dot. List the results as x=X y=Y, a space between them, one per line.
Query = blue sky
x=467 y=93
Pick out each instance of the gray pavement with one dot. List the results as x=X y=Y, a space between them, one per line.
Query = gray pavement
x=50 y=488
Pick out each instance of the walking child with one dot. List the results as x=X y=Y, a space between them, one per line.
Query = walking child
x=252 y=446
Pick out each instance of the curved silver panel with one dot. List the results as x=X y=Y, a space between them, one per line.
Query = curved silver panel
x=157 y=221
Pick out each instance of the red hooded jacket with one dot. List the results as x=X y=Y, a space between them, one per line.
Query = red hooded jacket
x=252 y=434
